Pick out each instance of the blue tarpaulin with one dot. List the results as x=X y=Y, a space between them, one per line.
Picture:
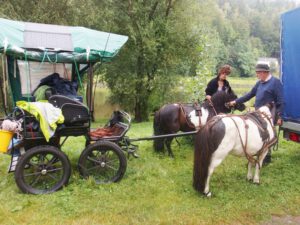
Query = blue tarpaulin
x=290 y=63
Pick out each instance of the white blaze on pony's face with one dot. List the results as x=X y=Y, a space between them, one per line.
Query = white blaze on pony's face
x=195 y=118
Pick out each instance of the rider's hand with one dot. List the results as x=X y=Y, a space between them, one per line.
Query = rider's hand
x=208 y=97
x=232 y=103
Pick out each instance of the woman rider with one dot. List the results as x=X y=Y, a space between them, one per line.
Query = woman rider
x=219 y=83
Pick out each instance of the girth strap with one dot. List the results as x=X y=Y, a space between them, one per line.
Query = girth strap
x=244 y=145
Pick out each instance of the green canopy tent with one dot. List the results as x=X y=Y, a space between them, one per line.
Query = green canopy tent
x=65 y=44
x=30 y=47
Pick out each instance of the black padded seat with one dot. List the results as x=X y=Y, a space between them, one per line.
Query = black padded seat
x=75 y=112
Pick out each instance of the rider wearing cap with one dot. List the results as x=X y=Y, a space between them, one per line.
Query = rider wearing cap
x=268 y=89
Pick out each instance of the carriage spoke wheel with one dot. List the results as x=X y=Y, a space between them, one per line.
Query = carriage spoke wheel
x=104 y=161
x=42 y=170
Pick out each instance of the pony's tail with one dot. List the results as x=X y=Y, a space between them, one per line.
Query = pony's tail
x=158 y=144
x=202 y=159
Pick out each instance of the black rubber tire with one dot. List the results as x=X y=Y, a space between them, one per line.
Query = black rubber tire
x=104 y=161
x=43 y=169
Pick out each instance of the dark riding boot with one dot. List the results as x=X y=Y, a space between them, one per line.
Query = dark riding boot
x=267 y=159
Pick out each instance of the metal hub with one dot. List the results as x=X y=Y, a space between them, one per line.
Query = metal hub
x=102 y=164
x=44 y=172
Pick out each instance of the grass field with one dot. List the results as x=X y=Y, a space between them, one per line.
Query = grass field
x=158 y=190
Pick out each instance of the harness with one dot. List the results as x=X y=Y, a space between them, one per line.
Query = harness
x=198 y=111
x=212 y=105
x=258 y=118
x=184 y=117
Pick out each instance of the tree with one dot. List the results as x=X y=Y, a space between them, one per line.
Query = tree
x=160 y=38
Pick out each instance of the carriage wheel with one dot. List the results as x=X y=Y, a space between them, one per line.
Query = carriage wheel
x=103 y=160
x=42 y=170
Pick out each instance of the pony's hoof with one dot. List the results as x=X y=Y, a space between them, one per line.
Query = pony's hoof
x=256 y=182
x=207 y=195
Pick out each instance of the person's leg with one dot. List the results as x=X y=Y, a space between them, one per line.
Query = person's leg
x=268 y=157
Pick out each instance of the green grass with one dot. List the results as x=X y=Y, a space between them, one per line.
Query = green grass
x=103 y=108
x=158 y=190
x=242 y=86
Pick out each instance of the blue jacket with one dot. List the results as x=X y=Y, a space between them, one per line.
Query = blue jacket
x=266 y=92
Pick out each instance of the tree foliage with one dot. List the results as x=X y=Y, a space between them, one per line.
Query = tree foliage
x=163 y=42
x=174 y=46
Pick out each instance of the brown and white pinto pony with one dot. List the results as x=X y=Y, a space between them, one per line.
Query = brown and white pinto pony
x=172 y=118
x=248 y=135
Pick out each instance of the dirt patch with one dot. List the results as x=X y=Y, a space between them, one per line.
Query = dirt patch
x=283 y=220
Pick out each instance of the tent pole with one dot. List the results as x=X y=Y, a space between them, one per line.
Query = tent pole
x=90 y=91
x=96 y=84
x=3 y=84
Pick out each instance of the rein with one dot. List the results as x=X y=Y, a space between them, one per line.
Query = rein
x=212 y=105
x=190 y=125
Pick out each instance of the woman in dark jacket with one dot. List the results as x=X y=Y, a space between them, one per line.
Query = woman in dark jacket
x=219 y=83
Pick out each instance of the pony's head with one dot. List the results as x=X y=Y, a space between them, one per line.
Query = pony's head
x=220 y=98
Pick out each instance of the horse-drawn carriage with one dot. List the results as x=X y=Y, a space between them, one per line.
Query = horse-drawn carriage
x=48 y=62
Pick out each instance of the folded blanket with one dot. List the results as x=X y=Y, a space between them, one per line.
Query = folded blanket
x=106 y=132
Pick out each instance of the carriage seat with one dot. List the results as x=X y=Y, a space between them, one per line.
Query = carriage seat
x=115 y=129
x=75 y=112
